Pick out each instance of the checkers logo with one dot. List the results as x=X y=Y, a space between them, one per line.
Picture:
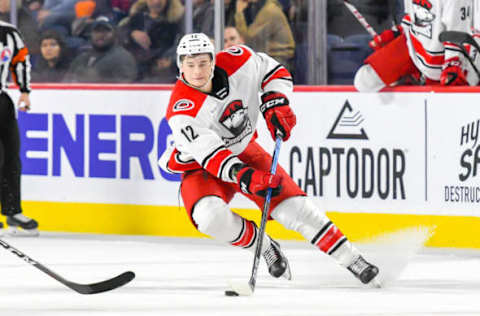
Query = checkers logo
x=183 y=105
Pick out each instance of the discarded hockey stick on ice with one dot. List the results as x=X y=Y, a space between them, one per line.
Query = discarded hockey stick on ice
x=247 y=289
x=459 y=39
x=360 y=18
x=93 y=288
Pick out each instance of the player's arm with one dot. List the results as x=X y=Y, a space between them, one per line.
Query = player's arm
x=276 y=86
x=20 y=69
x=210 y=153
x=457 y=16
x=206 y=147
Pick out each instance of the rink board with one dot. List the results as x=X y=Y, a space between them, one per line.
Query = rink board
x=447 y=231
x=374 y=162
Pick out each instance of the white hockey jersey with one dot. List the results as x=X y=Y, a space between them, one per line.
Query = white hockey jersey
x=424 y=22
x=210 y=130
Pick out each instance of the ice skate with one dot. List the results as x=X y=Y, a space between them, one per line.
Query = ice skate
x=2 y=230
x=364 y=271
x=276 y=261
x=21 y=225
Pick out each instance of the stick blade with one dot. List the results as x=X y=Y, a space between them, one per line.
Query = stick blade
x=103 y=286
x=240 y=288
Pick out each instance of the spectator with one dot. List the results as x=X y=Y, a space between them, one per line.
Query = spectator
x=105 y=61
x=265 y=28
x=203 y=17
x=121 y=8
x=57 y=14
x=153 y=30
x=162 y=70
x=231 y=37
x=25 y=22
x=33 y=6
x=53 y=62
x=86 y=11
x=122 y=5
x=230 y=8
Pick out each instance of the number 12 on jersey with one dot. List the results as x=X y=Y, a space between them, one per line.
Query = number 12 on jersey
x=189 y=133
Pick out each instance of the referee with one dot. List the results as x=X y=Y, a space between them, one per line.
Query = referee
x=14 y=60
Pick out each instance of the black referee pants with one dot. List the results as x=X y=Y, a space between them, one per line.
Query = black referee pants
x=10 y=164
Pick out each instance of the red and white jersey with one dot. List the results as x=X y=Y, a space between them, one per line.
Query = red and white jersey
x=210 y=130
x=424 y=22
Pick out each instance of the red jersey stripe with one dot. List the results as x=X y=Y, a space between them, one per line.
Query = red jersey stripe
x=280 y=73
x=213 y=164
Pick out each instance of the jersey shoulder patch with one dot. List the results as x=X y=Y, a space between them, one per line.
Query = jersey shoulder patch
x=233 y=58
x=185 y=100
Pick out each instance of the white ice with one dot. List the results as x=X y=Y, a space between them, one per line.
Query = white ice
x=179 y=276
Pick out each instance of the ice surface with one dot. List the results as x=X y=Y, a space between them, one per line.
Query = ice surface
x=177 y=276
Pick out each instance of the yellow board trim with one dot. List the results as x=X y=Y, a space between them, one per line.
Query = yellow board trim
x=450 y=231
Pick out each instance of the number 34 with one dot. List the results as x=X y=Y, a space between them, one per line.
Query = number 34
x=465 y=12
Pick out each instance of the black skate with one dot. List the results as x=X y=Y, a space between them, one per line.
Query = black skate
x=276 y=261
x=364 y=271
x=21 y=225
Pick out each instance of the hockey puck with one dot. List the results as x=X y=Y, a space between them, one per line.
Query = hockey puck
x=231 y=293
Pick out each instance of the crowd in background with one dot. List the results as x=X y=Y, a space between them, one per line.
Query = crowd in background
x=135 y=40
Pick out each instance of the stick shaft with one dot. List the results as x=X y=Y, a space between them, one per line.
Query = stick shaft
x=360 y=18
x=266 y=208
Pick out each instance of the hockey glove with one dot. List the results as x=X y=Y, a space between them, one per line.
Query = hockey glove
x=452 y=73
x=254 y=181
x=385 y=37
x=278 y=114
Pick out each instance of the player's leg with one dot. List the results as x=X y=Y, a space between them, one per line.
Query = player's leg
x=206 y=201
x=10 y=181
x=302 y=215
x=385 y=66
x=294 y=210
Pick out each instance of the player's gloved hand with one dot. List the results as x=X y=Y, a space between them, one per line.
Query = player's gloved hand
x=254 y=181
x=278 y=114
x=452 y=73
x=385 y=37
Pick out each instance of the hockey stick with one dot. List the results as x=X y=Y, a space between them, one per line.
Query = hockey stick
x=459 y=39
x=93 y=288
x=241 y=288
x=360 y=18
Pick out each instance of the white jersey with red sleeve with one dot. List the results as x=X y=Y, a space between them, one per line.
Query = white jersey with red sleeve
x=424 y=22
x=211 y=130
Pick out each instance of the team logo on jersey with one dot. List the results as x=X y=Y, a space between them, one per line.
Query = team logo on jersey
x=235 y=119
x=183 y=105
x=423 y=17
x=5 y=55
x=235 y=50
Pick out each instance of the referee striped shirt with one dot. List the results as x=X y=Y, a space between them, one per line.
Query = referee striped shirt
x=14 y=58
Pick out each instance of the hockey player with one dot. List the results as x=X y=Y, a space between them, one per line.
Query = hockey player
x=213 y=112
x=14 y=58
x=414 y=52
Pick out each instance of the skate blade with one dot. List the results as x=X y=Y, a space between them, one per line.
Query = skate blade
x=19 y=232
x=375 y=283
x=287 y=274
